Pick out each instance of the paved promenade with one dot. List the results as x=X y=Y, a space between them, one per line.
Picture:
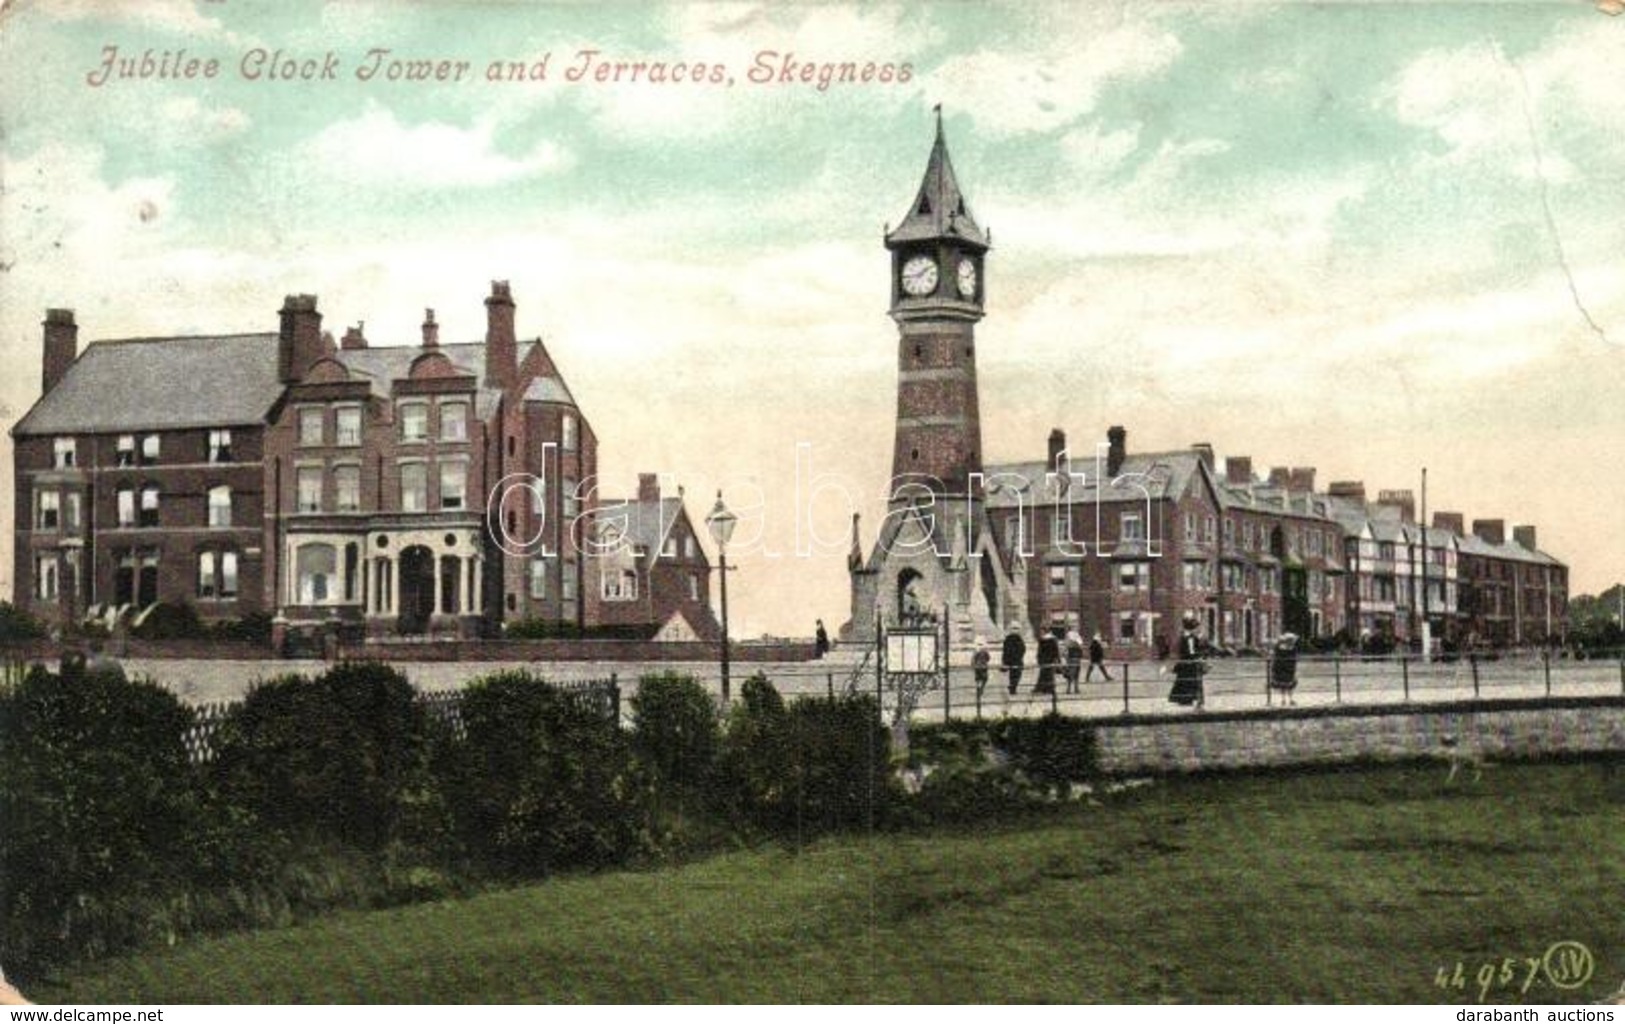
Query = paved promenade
x=1232 y=683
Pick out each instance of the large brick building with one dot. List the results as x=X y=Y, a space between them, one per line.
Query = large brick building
x=403 y=489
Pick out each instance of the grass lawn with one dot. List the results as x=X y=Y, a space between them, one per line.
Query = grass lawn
x=1353 y=886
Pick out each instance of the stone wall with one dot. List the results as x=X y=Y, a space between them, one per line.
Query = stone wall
x=1321 y=736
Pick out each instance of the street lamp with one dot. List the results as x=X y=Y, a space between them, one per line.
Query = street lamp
x=721 y=524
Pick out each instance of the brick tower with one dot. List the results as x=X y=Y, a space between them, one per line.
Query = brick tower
x=933 y=551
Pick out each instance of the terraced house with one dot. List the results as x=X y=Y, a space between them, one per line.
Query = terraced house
x=334 y=485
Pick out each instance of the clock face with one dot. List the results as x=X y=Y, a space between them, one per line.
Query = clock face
x=967 y=279
x=920 y=276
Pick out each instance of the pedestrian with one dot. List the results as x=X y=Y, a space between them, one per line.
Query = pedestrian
x=1188 y=688
x=1284 y=666
x=821 y=639
x=1074 y=660
x=1097 y=659
x=1011 y=657
x=1049 y=659
x=978 y=667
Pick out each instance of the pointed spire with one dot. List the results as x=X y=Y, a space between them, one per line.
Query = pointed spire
x=940 y=209
x=854 y=557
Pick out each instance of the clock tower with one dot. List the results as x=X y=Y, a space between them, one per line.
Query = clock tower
x=933 y=550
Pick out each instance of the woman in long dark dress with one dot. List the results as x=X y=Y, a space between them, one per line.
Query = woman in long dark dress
x=1189 y=669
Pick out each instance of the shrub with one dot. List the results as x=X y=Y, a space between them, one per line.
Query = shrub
x=17 y=625
x=253 y=628
x=336 y=756
x=1053 y=751
x=543 y=780
x=170 y=622
x=755 y=755
x=103 y=819
x=675 y=732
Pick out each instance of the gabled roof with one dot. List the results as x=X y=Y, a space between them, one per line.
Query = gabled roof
x=549 y=389
x=939 y=209
x=644 y=523
x=385 y=363
x=161 y=384
x=1164 y=475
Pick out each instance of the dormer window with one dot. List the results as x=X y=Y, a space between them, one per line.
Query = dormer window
x=149 y=450
x=126 y=450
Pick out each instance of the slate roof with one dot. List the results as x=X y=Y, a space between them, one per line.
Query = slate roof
x=939 y=209
x=385 y=363
x=1472 y=544
x=161 y=384
x=645 y=523
x=1167 y=475
x=549 y=389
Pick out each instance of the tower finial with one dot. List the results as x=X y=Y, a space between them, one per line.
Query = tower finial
x=938 y=109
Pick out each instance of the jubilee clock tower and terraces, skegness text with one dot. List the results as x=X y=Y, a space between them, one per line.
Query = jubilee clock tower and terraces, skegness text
x=934 y=550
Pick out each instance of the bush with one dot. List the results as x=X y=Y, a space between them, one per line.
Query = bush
x=675 y=732
x=339 y=756
x=1055 y=752
x=17 y=625
x=103 y=816
x=253 y=628
x=543 y=780
x=819 y=765
x=170 y=622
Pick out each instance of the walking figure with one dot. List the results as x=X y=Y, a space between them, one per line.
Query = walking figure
x=978 y=666
x=1074 y=660
x=1049 y=659
x=821 y=639
x=1097 y=659
x=1188 y=670
x=1014 y=652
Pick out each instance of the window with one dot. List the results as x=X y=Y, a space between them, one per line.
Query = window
x=207 y=584
x=538 y=495
x=48 y=510
x=149 y=506
x=1229 y=533
x=228 y=575
x=453 y=421
x=1133 y=577
x=690 y=549
x=310 y=425
x=414 y=487
x=220 y=506
x=1190 y=527
x=126 y=450
x=149 y=450
x=570 y=434
x=1133 y=527
x=620 y=584
x=45 y=577
x=572 y=500
x=126 y=507
x=1197 y=575
x=414 y=422
x=670 y=549
x=309 y=485
x=1057 y=579
x=569 y=593
x=219 y=446
x=347 y=488
x=1207 y=529
x=538 y=578
x=693 y=588
x=1247 y=535
x=315 y=566
x=70 y=512
x=1125 y=626
x=66 y=453
x=453 y=479
x=347 y=425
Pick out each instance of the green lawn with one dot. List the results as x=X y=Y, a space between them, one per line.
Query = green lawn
x=1356 y=886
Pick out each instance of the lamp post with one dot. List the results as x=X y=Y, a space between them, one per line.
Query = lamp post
x=721 y=522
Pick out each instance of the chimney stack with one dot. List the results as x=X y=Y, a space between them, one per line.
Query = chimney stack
x=61 y=346
x=1280 y=476
x=1116 y=451
x=1302 y=478
x=1490 y=531
x=431 y=330
x=1205 y=452
x=353 y=338
x=501 y=348
x=1404 y=500
x=1354 y=489
x=1454 y=522
x=1525 y=536
x=648 y=487
x=1057 y=445
x=1238 y=470
x=299 y=343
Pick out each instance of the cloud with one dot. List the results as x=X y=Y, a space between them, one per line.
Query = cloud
x=180 y=17
x=375 y=147
x=1019 y=92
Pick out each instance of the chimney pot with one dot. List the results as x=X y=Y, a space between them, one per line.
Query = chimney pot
x=501 y=347
x=431 y=330
x=1280 y=476
x=299 y=342
x=1454 y=522
x=1116 y=451
x=1302 y=479
x=353 y=338
x=1238 y=469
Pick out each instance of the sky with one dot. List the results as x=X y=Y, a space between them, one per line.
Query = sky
x=1364 y=237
